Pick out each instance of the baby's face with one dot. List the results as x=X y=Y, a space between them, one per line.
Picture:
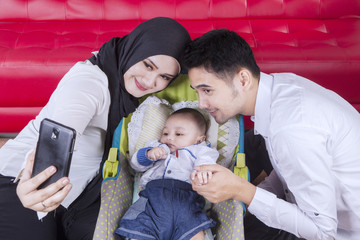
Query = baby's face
x=180 y=131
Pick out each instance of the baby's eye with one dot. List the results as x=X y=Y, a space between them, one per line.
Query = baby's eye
x=165 y=134
x=179 y=134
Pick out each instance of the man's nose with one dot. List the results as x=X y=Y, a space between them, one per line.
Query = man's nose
x=202 y=103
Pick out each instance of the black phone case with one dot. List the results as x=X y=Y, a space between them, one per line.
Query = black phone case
x=54 y=148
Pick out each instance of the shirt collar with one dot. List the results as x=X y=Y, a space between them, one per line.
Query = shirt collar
x=262 y=106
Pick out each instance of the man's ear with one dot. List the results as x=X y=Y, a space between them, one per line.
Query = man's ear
x=244 y=78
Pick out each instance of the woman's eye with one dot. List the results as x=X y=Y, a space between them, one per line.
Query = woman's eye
x=148 y=66
x=207 y=91
x=166 y=77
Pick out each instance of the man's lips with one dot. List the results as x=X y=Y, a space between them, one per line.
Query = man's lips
x=139 y=86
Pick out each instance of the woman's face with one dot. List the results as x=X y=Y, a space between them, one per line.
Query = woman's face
x=150 y=75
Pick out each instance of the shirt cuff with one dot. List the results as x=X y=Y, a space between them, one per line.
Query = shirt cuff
x=262 y=205
x=142 y=158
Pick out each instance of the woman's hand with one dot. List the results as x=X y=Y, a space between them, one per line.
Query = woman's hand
x=223 y=185
x=43 y=200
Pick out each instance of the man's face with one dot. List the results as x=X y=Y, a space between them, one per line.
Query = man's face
x=216 y=96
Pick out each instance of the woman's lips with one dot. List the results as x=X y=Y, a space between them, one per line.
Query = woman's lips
x=139 y=86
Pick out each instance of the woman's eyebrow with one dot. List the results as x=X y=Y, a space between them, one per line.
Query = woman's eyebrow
x=153 y=63
x=169 y=75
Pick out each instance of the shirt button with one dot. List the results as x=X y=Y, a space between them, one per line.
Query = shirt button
x=168 y=171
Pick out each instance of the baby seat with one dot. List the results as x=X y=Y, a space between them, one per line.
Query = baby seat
x=119 y=187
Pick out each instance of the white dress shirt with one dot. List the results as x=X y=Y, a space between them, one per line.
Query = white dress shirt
x=81 y=101
x=313 y=139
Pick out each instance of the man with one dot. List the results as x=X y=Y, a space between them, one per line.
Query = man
x=312 y=136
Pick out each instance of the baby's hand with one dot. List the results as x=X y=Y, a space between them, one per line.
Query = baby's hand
x=203 y=177
x=156 y=153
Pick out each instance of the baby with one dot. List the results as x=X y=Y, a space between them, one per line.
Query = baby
x=168 y=208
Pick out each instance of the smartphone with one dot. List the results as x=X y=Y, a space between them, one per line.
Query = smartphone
x=54 y=148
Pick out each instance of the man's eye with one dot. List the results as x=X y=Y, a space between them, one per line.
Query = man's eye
x=207 y=91
x=148 y=66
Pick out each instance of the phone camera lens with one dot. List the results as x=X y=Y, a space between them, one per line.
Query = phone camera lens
x=55 y=134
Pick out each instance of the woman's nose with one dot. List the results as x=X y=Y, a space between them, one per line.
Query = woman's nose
x=150 y=81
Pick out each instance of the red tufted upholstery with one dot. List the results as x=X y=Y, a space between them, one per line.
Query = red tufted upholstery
x=41 y=39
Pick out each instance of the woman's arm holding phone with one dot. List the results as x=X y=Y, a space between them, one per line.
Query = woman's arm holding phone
x=43 y=200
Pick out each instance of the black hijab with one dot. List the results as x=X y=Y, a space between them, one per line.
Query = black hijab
x=157 y=36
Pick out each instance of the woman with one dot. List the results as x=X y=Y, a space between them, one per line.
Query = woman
x=91 y=98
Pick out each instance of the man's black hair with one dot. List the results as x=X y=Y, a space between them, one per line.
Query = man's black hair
x=221 y=52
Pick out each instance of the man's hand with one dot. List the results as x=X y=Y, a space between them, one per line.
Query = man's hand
x=223 y=185
x=202 y=177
